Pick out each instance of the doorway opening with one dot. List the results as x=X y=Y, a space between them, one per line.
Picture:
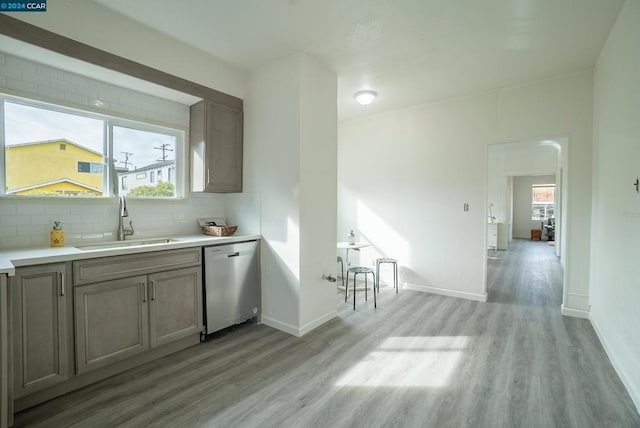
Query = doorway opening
x=518 y=175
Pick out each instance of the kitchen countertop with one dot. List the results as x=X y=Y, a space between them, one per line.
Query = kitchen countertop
x=10 y=259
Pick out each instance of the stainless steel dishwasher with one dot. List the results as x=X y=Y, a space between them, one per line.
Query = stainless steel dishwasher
x=231 y=284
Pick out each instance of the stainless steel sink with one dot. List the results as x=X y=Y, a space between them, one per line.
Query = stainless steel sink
x=125 y=244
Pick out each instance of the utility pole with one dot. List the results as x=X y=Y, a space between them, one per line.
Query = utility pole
x=126 y=159
x=165 y=148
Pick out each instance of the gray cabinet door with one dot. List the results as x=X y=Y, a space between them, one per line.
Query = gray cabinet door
x=175 y=309
x=111 y=320
x=216 y=147
x=41 y=328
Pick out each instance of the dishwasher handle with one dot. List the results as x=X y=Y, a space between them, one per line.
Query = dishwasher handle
x=236 y=254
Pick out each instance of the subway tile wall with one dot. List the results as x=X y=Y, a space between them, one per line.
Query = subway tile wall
x=26 y=222
x=22 y=77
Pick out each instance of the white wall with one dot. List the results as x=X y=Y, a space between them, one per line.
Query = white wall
x=403 y=179
x=522 y=223
x=290 y=141
x=615 y=268
x=404 y=175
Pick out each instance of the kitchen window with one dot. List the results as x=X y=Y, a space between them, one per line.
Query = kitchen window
x=543 y=201
x=52 y=150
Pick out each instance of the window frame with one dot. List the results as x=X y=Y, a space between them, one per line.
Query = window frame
x=109 y=121
x=545 y=204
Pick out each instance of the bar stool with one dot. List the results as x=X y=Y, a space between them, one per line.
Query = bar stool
x=366 y=271
x=341 y=270
x=395 y=271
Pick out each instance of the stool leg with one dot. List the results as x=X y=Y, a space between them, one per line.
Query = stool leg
x=375 y=304
x=346 y=288
x=366 y=286
x=395 y=276
x=377 y=282
x=354 y=290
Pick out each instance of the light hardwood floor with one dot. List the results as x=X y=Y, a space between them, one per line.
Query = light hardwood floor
x=418 y=360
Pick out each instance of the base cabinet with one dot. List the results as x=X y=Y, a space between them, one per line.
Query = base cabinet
x=41 y=328
x=121 y=318
x=111 y=322
x=78 y=322
x=175 y=309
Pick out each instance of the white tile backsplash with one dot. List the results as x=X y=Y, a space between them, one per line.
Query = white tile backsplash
x=20 y=63
x=6 y=231
x=25 y=77
x=48 y=92
x=45 y=70
x=26 y=223
x=33 y=77
x=9 y=72
x=21 y=86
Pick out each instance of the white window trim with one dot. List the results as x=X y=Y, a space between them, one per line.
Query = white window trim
x=109 y=119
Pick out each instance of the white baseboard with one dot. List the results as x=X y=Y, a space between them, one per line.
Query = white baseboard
x=280 y=325
x=317 y=322
x=633 y=393
x=446 y=292
x=295 y=330
x=577 y=313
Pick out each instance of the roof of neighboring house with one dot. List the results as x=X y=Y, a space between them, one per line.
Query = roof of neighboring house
x=149 y=167
x=49 y=183
x=56 y=140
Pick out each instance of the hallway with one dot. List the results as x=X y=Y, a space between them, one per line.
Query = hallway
x=418 y=360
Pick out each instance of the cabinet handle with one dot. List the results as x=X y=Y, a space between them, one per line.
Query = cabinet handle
x=144 y=292
x=208 y=180
x=153 y=290
x=62 y=284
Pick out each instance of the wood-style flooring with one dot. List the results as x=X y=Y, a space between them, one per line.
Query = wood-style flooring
x=418 y=360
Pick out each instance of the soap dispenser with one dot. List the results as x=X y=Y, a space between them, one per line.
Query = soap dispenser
x=57 y=235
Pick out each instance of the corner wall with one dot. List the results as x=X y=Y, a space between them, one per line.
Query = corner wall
x=290 y=153
x=615 y=268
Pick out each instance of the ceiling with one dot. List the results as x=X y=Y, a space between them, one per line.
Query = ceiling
x=409 y=51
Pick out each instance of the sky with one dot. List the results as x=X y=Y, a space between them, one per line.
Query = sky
x=26 y=124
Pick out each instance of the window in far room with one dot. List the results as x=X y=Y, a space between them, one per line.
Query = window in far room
x=543 y=201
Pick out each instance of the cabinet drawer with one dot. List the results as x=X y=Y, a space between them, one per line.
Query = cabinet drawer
x=107 y=268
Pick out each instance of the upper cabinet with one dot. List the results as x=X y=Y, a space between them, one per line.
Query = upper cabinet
x=216 y=147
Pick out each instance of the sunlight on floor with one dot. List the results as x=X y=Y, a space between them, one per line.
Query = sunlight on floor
x=412 y=361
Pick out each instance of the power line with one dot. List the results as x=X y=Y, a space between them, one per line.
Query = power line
x=165 y=148
x=126 y=159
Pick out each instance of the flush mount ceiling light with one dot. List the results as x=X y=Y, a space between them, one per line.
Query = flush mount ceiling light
x=365 y=97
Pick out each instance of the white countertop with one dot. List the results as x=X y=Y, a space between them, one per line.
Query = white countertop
x=10 y=259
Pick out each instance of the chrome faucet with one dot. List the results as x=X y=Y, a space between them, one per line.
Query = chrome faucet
x=122 y=213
